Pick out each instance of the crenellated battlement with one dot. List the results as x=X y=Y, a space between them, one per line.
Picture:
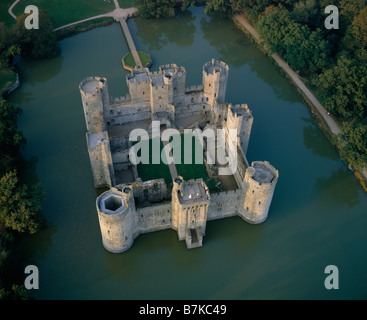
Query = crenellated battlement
x=215 y=67
x=196 y=88
x=131 y=206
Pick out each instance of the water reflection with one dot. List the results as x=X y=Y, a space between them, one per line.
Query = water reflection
x=312 y=141
x=339 y=189
x=158 y=33
x=231 y=45
x=237 y=50
x=48 y=69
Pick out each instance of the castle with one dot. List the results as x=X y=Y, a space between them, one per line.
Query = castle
x=131 y=206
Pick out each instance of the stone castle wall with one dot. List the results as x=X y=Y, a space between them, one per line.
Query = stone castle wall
x=163 y=96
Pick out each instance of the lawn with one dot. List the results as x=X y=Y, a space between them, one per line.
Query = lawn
x=153 y=171
x=67 y=11
x=144 y=58
x=4 y=15
x=187 y=171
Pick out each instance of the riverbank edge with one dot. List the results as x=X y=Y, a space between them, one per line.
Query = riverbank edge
x=319 y=120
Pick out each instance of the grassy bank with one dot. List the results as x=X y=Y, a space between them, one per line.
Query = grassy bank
x=68 y=11
x=4 y=15
x=129 y=63
x=85 y=26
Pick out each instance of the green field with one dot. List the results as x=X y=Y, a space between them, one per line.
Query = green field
x=67 y=11
x=144 y=58
x=187 y=171
x=153 y=171
x=4 y=15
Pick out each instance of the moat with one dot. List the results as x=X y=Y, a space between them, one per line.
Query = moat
x=317 y=217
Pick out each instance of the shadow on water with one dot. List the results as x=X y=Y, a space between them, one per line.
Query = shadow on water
x=48 y=69
x=339 y=188
x=237 y=50
x=312 y=141
x=157 y=33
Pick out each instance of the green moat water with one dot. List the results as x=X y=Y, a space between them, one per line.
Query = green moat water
x=318 y=215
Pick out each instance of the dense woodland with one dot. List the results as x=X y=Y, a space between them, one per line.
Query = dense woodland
x=20 y=192
x=332 y=62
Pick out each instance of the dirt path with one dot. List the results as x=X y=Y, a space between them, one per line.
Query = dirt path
x=117 y=14
x=10 y=10
x=334 y=127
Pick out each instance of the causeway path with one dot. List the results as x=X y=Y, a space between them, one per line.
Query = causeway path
x=334 y=127
x=119 y=14
x=10 y=10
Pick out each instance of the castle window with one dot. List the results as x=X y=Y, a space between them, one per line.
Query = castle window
x=192 y=99
x=210 y=84
x=247 y=209
x=215 y=95
x=111 y=111
x=163 y=221
x=143 y=93
x=125 y=238
x=259 y=202
x=203 y=107
x=253 y=191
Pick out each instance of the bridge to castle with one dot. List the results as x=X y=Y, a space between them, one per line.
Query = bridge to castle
x=119 y=14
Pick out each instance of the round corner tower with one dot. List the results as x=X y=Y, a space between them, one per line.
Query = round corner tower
x=215 y=77
x=260 y=181
x=116 y=211
x=95 y=96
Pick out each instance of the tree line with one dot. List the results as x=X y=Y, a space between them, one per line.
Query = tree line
x=20 y=196
x=333 y=62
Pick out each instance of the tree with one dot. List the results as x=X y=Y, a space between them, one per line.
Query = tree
x=7 y=49
x=19 y=205
x=308 y=12
x=359 y=29
x=303 y=49
x=36 y=43
x=18 y=292
x=344 y=88
x=11 y=139
x=156 y=8
x=226 y=8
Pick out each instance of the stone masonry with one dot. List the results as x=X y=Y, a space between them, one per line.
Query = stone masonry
x=131 y=206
